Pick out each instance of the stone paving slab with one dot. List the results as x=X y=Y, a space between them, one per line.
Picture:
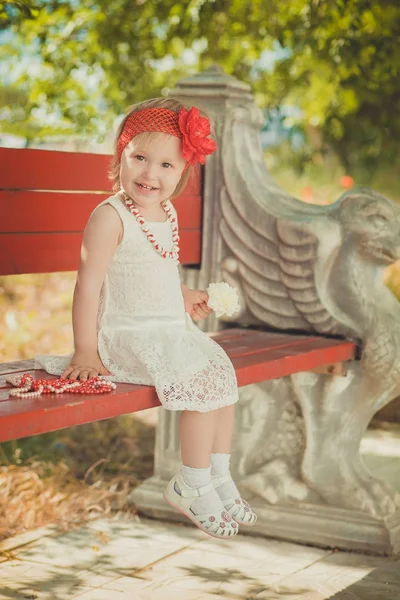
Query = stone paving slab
x=110 y=545
x=340 y=575
x=23 y=580
x=273 y=552
x=143 y=559
x=63 y=566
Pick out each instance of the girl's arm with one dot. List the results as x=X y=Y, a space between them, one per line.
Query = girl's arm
x=100 y=240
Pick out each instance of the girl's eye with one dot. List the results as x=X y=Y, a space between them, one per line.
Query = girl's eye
x=139 y=157
x=167 y=165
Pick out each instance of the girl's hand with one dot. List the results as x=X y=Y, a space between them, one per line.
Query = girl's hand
x=195 y=302
x=85 y=366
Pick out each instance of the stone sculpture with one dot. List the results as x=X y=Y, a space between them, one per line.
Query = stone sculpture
x=316 y=269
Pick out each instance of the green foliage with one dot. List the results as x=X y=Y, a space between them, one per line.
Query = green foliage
x=341 y=64
x=320 y=182
x=17 y=117
x=120 y=446
x=35 y=315
x=11 y=12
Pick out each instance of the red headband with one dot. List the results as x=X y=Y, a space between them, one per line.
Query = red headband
x=187 y=124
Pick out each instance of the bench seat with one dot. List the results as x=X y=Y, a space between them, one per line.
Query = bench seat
x=256 y=356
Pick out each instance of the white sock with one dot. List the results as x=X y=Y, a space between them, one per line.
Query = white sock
x=195 y=478
x=220 y=466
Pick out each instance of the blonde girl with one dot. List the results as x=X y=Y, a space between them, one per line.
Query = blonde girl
x=133 y=319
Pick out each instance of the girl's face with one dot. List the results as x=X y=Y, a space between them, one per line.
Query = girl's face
x=151 y=169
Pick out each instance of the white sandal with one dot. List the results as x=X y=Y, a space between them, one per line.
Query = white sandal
x=238 y=508
x=219 y=524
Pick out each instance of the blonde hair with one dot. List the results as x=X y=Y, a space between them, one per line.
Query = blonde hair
x=169 y=103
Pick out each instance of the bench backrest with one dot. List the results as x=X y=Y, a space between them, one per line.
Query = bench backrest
x=46 y=198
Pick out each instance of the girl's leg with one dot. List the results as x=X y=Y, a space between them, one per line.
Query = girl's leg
x=220 y=458
x=221 y=451
x=224 y=430
x=197 y=433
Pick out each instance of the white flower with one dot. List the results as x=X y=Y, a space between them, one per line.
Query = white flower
x=223 y=299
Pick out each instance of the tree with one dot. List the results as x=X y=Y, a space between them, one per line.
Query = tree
x=17 y=117
x=339 y=61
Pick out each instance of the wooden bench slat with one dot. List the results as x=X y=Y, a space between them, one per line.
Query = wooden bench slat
x=64 y=188
x=52 y=413
x=54 y=211
x=273 y=364
x=57 y=212
x=25 y=417
x=49 y=170
x=53 y=252
x=57 y=170
x=252 y=341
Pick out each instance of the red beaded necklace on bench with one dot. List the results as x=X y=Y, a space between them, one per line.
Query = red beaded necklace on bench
x=167 y=207
x=28 y=387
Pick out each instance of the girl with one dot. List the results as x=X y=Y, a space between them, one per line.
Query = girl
x=132 y=317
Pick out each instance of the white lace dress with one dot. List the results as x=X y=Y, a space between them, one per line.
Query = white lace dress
x=144 y=334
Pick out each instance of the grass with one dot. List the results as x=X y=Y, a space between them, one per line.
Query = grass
x=68 y=477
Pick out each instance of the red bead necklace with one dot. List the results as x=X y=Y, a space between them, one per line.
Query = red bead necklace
x=167 y=208
x=28 y=387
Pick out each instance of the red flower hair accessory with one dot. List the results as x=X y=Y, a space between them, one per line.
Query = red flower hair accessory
x=195 y=131
x=187 y=124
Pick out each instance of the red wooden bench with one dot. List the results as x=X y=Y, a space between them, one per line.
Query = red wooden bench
x=45 y=200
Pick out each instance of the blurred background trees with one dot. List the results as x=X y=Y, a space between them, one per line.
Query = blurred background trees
x=326 y=71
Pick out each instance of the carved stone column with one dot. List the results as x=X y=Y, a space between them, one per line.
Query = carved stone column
x=216 y=93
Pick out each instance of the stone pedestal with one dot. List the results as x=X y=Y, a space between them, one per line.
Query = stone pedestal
x=324 y=526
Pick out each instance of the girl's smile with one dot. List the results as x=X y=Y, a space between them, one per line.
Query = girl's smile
x=146 y=188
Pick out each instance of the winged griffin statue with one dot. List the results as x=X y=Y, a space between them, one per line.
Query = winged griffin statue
x=319 y=270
